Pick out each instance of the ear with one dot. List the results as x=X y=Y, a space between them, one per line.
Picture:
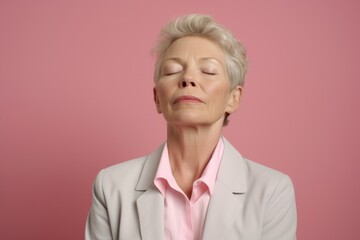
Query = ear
x=156 y=100
x=234 y=99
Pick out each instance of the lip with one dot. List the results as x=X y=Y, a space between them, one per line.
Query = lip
x=187 y=99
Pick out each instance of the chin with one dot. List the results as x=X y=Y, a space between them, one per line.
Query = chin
x=192 y=119
x=192 y=122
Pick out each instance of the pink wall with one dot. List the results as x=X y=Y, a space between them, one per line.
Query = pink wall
x=76 y=96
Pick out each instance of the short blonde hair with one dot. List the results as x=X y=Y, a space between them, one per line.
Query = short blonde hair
x=204 y=26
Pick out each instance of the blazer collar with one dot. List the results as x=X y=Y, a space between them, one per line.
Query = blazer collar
x=224 y=206
x=232 y=172
x=148 y=172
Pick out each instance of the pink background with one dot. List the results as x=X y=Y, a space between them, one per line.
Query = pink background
x=76 y=96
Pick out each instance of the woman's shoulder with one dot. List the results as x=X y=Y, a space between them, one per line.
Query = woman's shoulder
x=130 y=171
x=121 y=177
x=259 y=169
x=253 y=171
x=263 y=177
x=123 y=170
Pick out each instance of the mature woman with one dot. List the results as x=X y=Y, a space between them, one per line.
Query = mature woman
x=195 y=185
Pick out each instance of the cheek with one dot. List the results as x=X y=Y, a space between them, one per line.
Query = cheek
x=219 y=99
x=164 y=94
x=220 y=92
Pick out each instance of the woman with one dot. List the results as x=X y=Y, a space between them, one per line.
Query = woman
x=196 y=185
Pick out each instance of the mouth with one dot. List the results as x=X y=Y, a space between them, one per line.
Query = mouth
x=187 y=99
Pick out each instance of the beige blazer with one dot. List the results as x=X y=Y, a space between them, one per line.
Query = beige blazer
x=249 y=202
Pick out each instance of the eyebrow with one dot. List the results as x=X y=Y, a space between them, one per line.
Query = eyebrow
x=179 y=60
x=211 y=59
x=172 y=59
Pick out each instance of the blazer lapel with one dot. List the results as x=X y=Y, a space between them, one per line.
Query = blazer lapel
x=225 y=205
x=150 y=204
x=151 y=214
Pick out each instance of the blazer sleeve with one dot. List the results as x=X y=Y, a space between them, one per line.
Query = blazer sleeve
x=280 y=216
x=98 y=224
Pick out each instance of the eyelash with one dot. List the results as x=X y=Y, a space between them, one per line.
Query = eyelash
x=173 y=73
x=169 y=74
x=209 y=73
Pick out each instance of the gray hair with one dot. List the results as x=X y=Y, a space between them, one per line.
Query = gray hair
x=204 y=26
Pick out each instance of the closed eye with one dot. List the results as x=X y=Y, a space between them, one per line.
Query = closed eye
x=209 y=73
x=171 y=73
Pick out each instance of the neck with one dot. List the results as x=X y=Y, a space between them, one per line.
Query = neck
x=190 y=149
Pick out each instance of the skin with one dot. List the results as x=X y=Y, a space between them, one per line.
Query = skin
x=193 y=93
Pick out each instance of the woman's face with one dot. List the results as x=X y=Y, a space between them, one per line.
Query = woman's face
x=193 y=88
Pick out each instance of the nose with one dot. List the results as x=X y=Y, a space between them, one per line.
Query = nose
x=188 y=80
x=187 y=83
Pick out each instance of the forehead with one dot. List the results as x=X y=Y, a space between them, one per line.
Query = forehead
x=195 y=47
